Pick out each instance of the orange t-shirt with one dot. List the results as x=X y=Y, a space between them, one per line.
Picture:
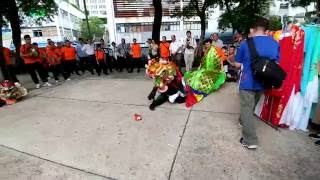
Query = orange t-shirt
x=7 y=54
x=221 y=54
x=58 y=51
x=164 y=49
x=100 y=55
x=52 y=56
x=43 y=55
x=69 y=53
x=26 y=49
x=136 y=50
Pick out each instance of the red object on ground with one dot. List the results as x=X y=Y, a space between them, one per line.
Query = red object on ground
x=137 y=117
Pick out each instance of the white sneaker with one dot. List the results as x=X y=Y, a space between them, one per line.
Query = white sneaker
x=17 y=84
x=57 y=81
x=38 y=86
x=68 y=79
x=47 y=84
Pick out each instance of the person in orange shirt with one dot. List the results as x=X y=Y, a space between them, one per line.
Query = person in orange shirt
x=42 y=58
x=136 y=56
x=100 y=57
x=54 y=60
x=9 y=71
x=30 y=55
x=164 y=48
x=69 y=61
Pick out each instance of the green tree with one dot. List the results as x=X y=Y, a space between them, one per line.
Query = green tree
x=197 y=8
x=9 y=11
x=96 y=27
x=275 y=23
x=240 y=14
x=156 y=28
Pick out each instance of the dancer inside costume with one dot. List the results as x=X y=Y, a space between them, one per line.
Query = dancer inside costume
x=10 y=93
x=208 y=78
x=168 y=83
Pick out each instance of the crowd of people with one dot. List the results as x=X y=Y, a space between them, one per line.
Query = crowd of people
x=219 y=62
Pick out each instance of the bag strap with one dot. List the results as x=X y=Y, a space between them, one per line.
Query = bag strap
x=252 y=48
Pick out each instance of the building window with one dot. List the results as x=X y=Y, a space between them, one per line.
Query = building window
x=146 y=27
x=193 y=25
x=37 y=33
x=170 y=26
x=103 y=12
x=284 y=6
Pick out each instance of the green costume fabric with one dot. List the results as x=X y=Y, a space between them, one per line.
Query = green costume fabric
x=209 y=76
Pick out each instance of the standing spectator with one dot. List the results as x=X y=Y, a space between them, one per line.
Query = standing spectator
x=54 y=60
x=42 y=58
x=69 y=61
x=238 y=38
x=154 y=50
x=30 y=55
x=230 y=68
x=216 y=41
x=176 y=51
x=114 y=55
x=250 y=88
x=10 y=69
x=189 y=48
x=148 y=45
x=164 y=48
x=136 y=55
x=123 y=55
x=88 y=50
x=108 y=59
x=100 y=58
x=83 y=59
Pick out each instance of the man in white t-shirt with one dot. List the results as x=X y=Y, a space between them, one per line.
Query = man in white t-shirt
x=216 y=41
x=175 y=51
x=189 y=47
x=88 y=50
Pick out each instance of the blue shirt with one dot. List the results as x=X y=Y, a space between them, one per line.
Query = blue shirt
x=266 y=47
x=79 y=50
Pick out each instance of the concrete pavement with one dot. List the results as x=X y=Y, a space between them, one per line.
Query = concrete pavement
x=84 y=129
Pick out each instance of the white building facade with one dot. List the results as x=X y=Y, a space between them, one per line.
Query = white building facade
x=284 y=9
x=65 y=24
x=134 y=19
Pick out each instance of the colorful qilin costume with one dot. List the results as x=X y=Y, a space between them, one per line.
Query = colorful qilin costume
x=10 y=93
x=168 y=82
x=208 y=78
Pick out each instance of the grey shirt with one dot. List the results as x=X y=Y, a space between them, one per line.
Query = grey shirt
x=123 y=50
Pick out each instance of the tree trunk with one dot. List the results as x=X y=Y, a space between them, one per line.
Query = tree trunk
x=157 y=20
x=13 y=17
x=2 y=61
x=87 y=20
x=203 y=27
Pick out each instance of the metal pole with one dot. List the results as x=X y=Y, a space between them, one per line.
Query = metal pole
x=86 y=13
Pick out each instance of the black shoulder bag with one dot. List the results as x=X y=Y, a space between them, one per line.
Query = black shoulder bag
x=264 y=69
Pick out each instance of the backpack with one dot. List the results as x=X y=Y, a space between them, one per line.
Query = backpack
x=264 y=69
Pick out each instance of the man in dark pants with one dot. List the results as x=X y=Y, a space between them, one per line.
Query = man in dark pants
x=123 y=55
x=69 y=61
x=88 y=50
x=30 y=55
x=9 y=67
x=176 y=51
x=136 y=56
x=250 y=88
x=83 y=60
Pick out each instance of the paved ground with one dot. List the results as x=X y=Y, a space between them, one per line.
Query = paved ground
x=84 y=129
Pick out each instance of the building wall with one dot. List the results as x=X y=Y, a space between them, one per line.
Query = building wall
x=65 y=25
x=283 y=8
